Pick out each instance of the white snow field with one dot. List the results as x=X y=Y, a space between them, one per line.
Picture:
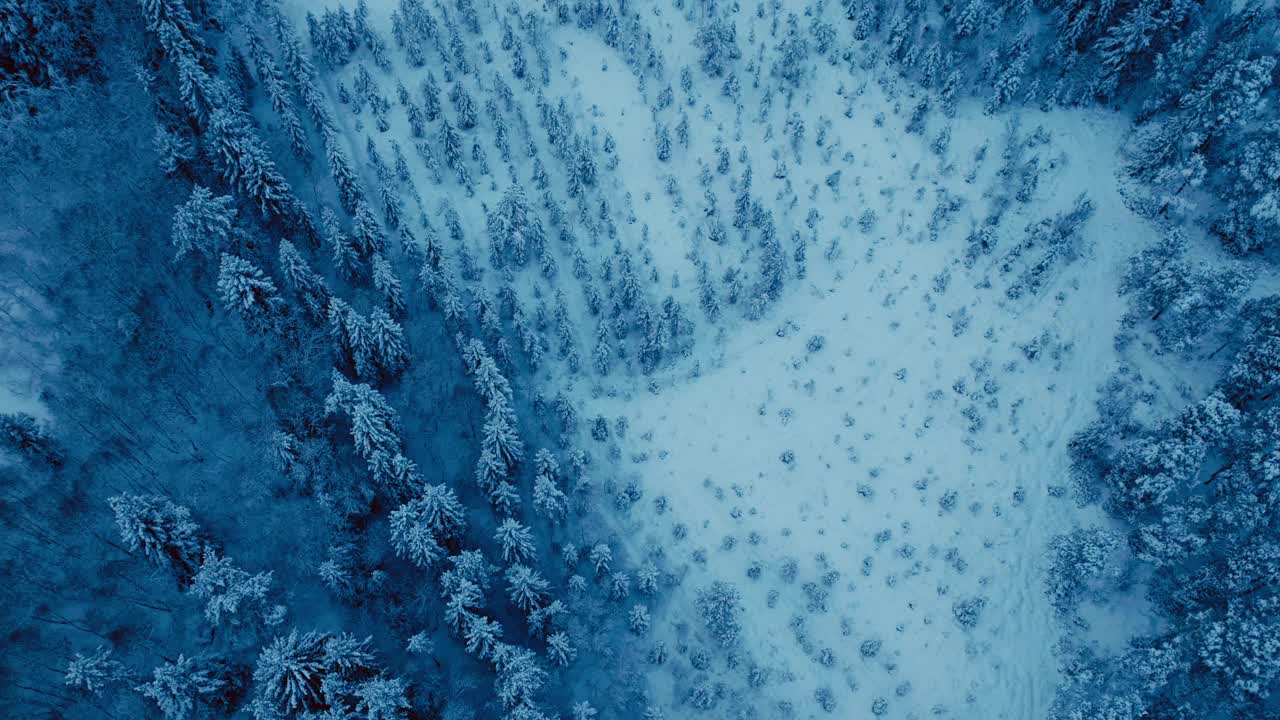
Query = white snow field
x=842 y=458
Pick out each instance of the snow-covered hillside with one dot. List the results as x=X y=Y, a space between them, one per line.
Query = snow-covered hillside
x=593 y=359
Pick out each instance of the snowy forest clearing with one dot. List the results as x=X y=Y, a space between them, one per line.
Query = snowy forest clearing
x=873 y=471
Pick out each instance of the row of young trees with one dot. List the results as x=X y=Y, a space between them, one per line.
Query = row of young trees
x=288 y=303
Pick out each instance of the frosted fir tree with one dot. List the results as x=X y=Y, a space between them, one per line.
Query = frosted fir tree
x=464 y=106
x=1178 y=151
x=413 y=538
x=530 y=341
x=488 y=317
x=662 y=143
x=602 y=353
x=546 y=619
x=389 y=194
x=203 y=223
x=346 y=259
x=583 y=711
x=248 y=292
x=792 y=55
x=520 y=677
x=451 y=148
x=437 y=510
x=301 y=70
x=516 y=541
x=298 y=675
x=94 y=672
x=463 y=601
x=505 y=498
x=338 y=571
x=382 y=698
x=569 y=555
x=515 y=232
x=489 y=380
x=374 y=426
x=350 y=192
x=176 y=151
x=1241 y=649
x=366 y=234
x=548 y=499
x=334 y=36
x=246 y=164
x=1079 y=560
x=481 y=635
x=718 y=43
x=290 y=674
x=201 y=92
x=491 y=472
x=601 y=558
x=386 y=343
x=469 y=565
x=498 y=437
x=647 y=579
x=1250 y=220
x=233 y=596
x=430 y=97
x=526 y=588
x=401 y=475
x=350 y=333
x=721 y=608
x=560 y=650
x=638 y=620
x=24 y=435
x=619 y=586
x=1181 y=300
x=279 y=92
x=310 y=287
x=241 y=79
x=1254 y=375
x=175 y=687
x=163 y=531
x=1145 y=472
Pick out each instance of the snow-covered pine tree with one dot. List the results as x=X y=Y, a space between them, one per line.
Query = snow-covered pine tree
x=279 y=92
x=516 y=541
x=24 y=435
x=389 y=354
x=515 y=231
x=413 y=538
x=717 y=41
x=482 y=636
x=526 y=588
x=203 y=223
x=248 y=292
x=232 y=596
x=176 y=686
x=163 y=531
x=560 y=649
x=94 y=672
x=310 y=287
x=246 y=164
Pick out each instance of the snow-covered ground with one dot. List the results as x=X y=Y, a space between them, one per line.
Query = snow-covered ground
x=833 y=431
